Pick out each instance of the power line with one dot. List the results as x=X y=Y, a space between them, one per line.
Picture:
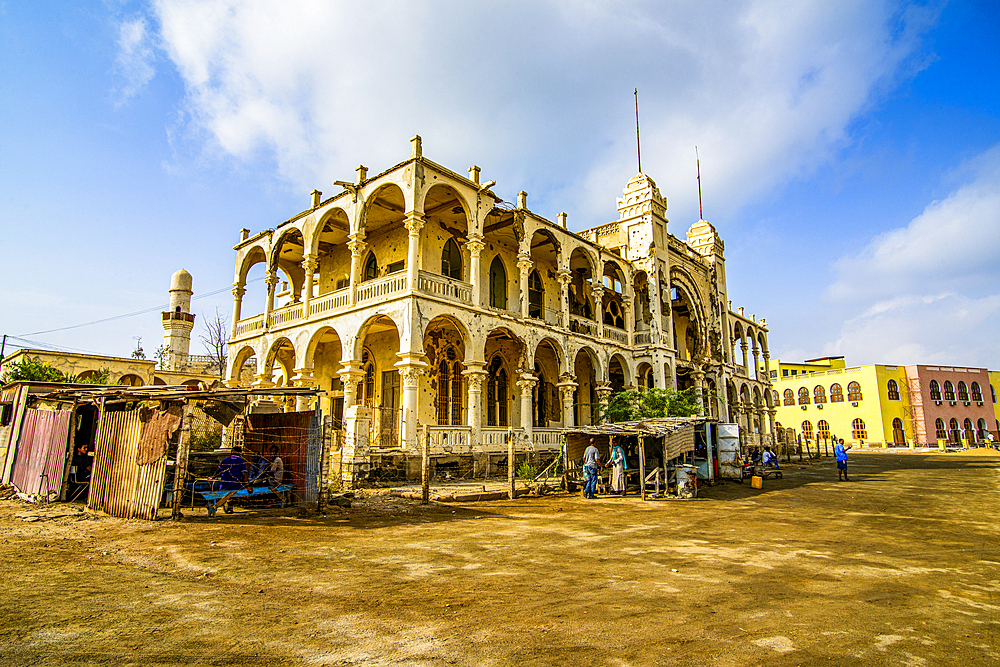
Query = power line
x=45 y=346
x=138 y=312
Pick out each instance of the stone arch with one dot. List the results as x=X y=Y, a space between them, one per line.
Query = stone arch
x=286 y=256
x=333 y=228
x=282 y=352
x=239 y=360
x=644 y=376
x=324 y=335
x=692 y=311
x=379 y=322
x=587 y=369
x=619 y=372
x=557 y=351
x=438 y=202
x=385 y=205
x=582 y=267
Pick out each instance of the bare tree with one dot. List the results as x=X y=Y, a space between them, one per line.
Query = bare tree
x=215 y=339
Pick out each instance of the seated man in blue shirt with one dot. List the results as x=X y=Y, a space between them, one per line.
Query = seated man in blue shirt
x=232 y=473
x=770 y=459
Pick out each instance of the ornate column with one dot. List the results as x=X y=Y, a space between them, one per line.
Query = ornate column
x=767 y=365
x=771 y=414
x=357 y=246
x=744 y=346
x=525 y=386
x=629 y=321
x=567 y=387
x=475 y=247
x=309 y=264
x=603 y=394
x=475 y=374
x=238 y=293
x=410 y=370
x=524 y=265
x=303 y=377
x=350 y=375
x=564 y=277
x=271 y=280
x=414 y=222
x=699 y=384
x=756 y=365
x=598 y=291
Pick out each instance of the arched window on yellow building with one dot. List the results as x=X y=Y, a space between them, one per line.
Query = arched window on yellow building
x=893 y=388
x=803 y=396
x=858 y=430
x=819 y=394
x=836 y=393
x=789 y=397
x=807 y=430
x=822 y=429
x=854 y=392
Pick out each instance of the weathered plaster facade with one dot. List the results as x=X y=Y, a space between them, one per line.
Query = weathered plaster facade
x=418 y=297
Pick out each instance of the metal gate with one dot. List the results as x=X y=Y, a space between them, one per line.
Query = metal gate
x=41 y=451
x=123 y=484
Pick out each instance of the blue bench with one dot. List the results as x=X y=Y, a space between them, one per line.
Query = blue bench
x=215 y=498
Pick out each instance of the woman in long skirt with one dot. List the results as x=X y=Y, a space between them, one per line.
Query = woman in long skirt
x=617 y=464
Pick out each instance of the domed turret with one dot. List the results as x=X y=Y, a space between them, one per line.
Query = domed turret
x=181 y=280
x=178 y=321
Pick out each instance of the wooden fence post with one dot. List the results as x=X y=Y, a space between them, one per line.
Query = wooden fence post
x=798 y=440
x=642 y=468
x=181 y=461
x=510 y=461
x=425 y=467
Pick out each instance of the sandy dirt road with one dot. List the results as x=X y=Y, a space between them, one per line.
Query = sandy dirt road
x=899 y=567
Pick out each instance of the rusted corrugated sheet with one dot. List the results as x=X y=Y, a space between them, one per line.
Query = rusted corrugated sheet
x=120 y=485
x=41 y=451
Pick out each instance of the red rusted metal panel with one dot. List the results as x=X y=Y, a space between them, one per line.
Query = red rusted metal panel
x=290 y=432
x=126 y=482
x=41 y=451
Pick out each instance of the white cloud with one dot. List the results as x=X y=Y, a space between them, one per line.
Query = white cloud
x=539 y=94
x=929 y=292
x=134 y=60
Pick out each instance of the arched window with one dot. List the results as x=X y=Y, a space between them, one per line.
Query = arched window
x=993 y=393
x=963 y=392
x=366 y=388
x=819 y=394
x=858 y=430
x=853 y=391
x=370 y=271
x=444 y=393
x=498 y=284
x=774 y=398
x=803 y=396
x=898 y=434
x=942 y=434
x=451 y=260
x=983 y=432
x=536 y=295
x=955 y=434
x=977 y=392
x=893 y=391
x=496 y=393
x=935 y=391
x=807 y=430
x=836 y=393
x=456 y=394
x=970 y=432
x=789 y=397
x=949 y=391
x=822 y=429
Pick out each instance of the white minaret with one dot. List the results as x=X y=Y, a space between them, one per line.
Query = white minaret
x=178 y=322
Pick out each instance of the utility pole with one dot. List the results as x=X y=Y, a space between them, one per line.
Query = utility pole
x=638 y=149
x=701 y=214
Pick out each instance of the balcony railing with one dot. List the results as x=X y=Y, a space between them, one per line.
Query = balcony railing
x=549 y=316
x=582 y=325
x=286 y=315
x=547 y=438
x=382 y=288
x=330 y=302
x=616 y=334
x=645 y=337
x=251 y=325
x=432 y=283
x=450 y=439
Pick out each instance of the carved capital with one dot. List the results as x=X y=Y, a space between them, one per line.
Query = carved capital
x=475 y=245
x=309 y=264
x=526 y=383
x=357 y=246
x=238 y=291
x=410 y=374
x=475 y=376
x=304 y=377
x=564 y=277
x=271 y=280
x=524 y=263
x=414 y=222
x=604 y=392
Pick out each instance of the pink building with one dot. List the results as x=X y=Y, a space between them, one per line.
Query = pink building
x=951 y=403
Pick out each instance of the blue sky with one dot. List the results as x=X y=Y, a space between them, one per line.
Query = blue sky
x=850 y=150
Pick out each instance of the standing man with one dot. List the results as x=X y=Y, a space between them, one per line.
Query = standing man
x=840 y=450
x=591 y=463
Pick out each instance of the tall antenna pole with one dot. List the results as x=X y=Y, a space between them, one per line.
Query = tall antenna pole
x=701 y=213
x=638 y=149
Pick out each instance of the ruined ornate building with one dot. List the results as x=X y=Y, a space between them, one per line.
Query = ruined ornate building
x=419 y=297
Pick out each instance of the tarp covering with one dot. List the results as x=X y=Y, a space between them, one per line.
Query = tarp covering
x=41 y=451
x=678 y=433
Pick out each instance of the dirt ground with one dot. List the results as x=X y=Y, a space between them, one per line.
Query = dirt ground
x=900 y=566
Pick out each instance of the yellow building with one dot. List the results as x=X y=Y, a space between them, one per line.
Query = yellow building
x=784 y=369
x=888 y=405
x=994 y=387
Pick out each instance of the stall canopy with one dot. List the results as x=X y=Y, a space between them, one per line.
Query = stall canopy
x=677 y=433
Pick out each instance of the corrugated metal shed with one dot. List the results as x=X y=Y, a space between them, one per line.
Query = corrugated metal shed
x=41 y=451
